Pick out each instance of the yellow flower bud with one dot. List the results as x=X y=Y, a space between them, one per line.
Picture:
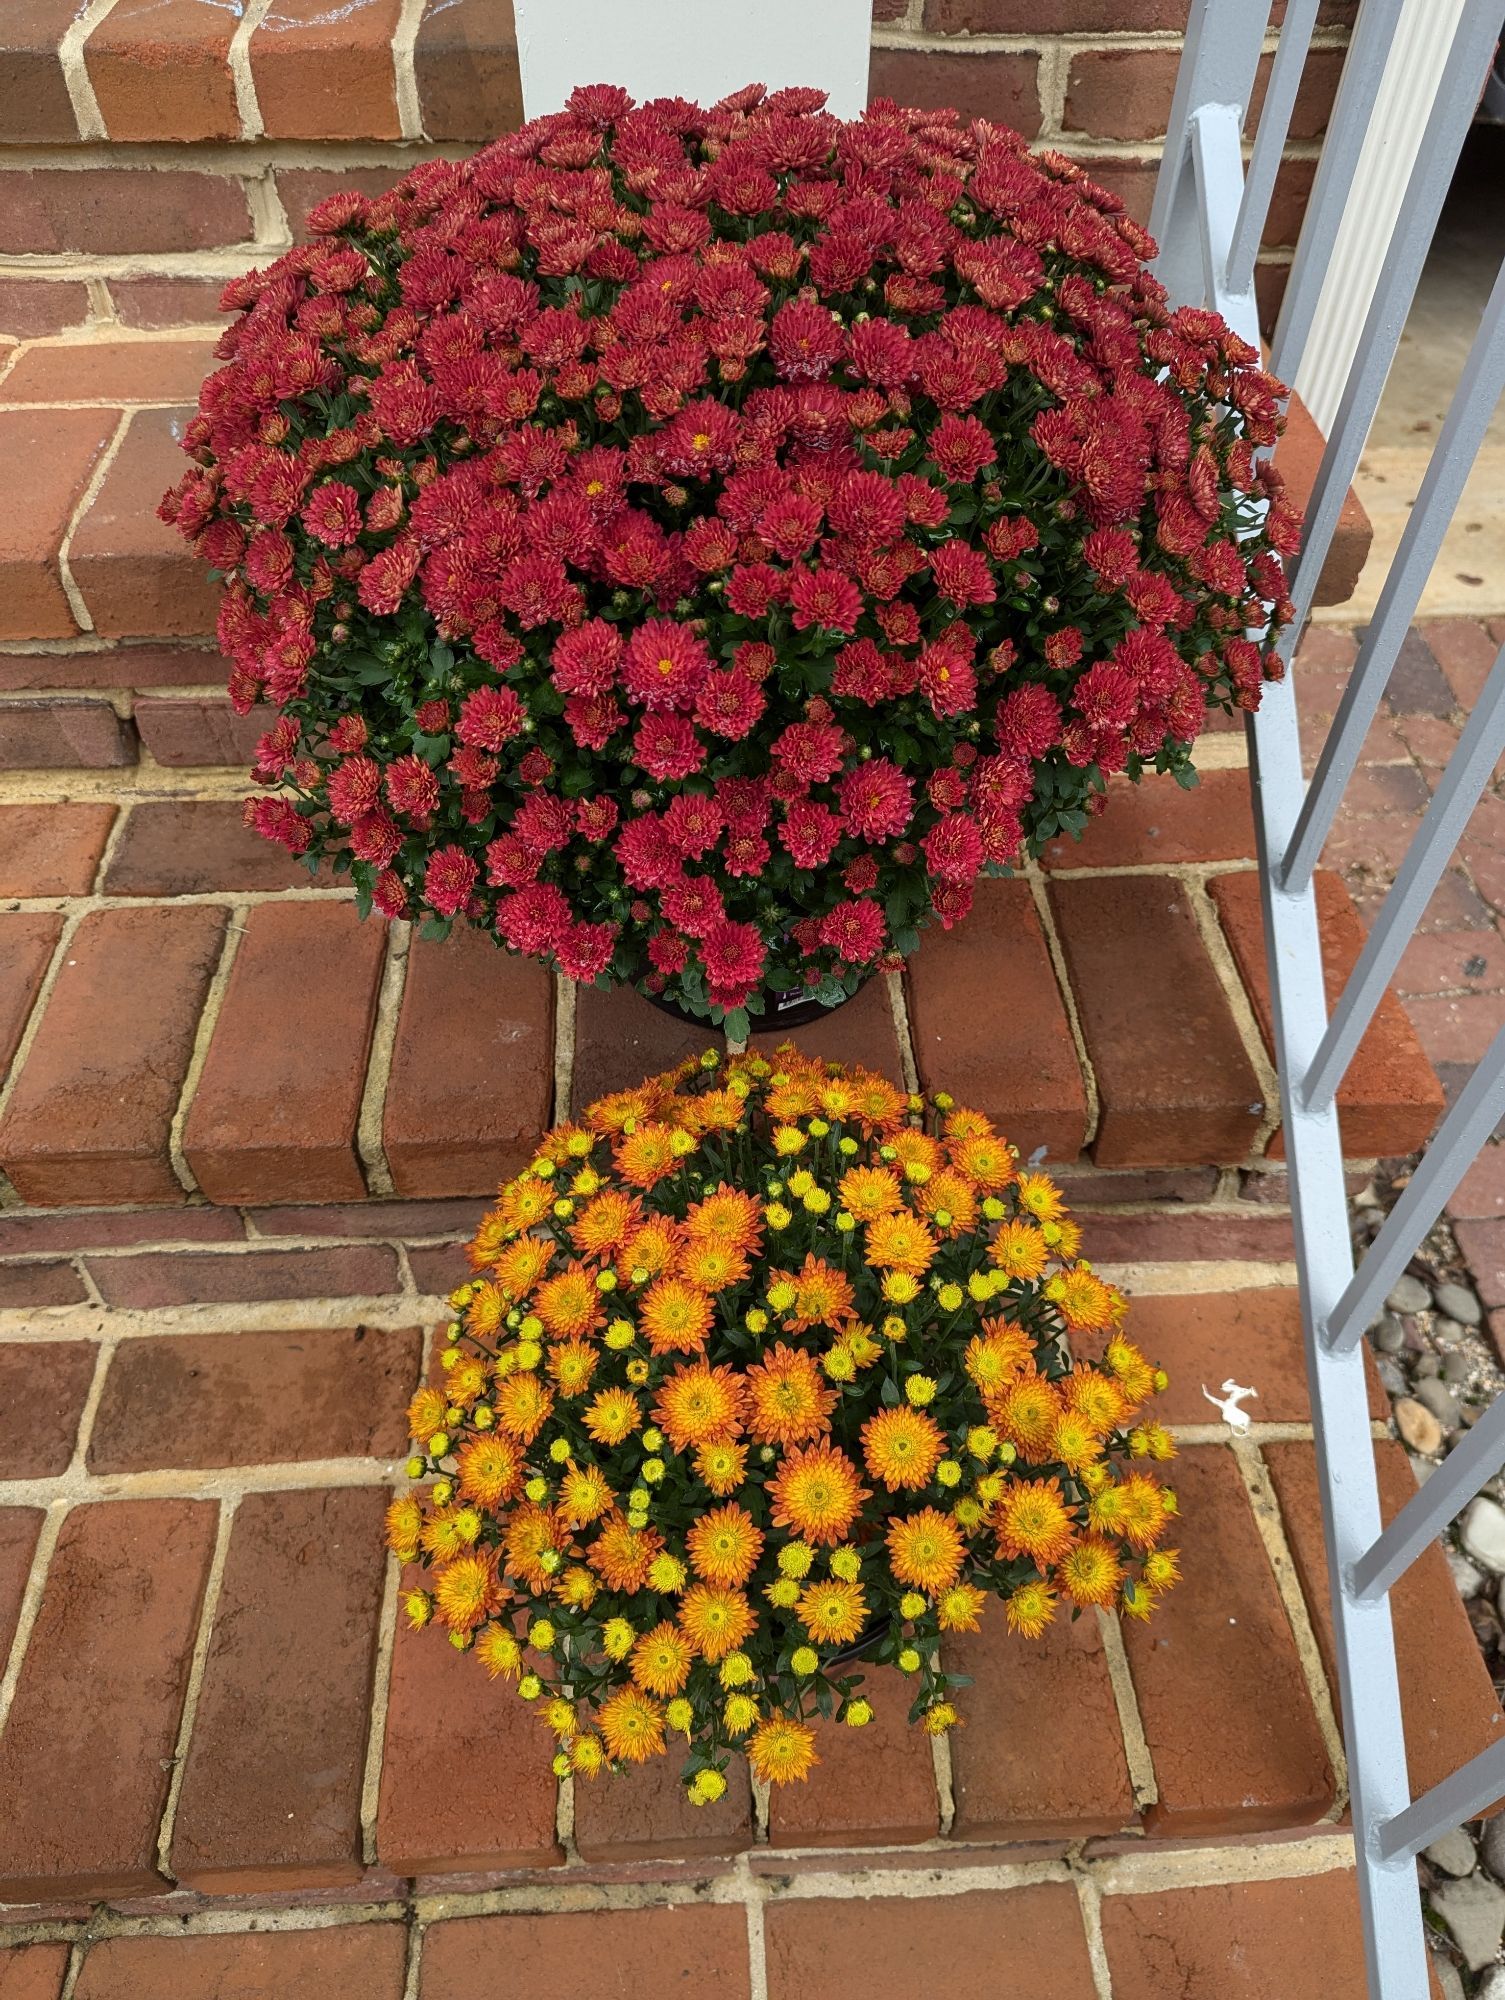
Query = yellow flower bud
x=530 y=1687
x=537 y=1490
x=444 y=1492
x=795 y=1559
x=982 y=1441
x=909 y=1661
x=559 y=1450
x=900 y=1288
x=804 y=1660
x=859 y=1714
x=755 y=1320
x=578 y=1145
x=416 y=1467
x=653 y=1438
x=667 y=1573
x=587 y=1756
x=839 y=1365
x=438 y=1444
x=993 y=1209
x=449 y=1358
x=847 y=1147
x=564 y=1208
x=967 y=1513
x=653 y=1470
x=919 y=1390
x=950 y=1297
x=736 y=1670
x=616 y=1638
x=637 y=1371
x=846 y=1564
x=461 y=1641
x=948 y=1472
x=778 y=1217
x=784 y=1593
x=529 y=1354
x=561 y=1765
x=541 y=1635
x=544 y=1169
x=680 y=1715
x=705 y=1788
x=739 y=1713
x=844 y=1222
x=419 y=1607
x=621 y=1333
x=816 y=1200
x=606 y=1281
x=911 y=1604
x=894 y=1327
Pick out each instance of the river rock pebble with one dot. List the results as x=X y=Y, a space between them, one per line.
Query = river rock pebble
x=1492 y=1844
x=1474 y=1911
x=1418 y=1426
x=1468 y=1576
x=1459 y=1303
x=1449 y=1978
x=1456 y=1368
x=1393 y=1376
x=1409 y=1296
x=1492 y=1985
x=1482 y=1532
x=1453 y=1854
x=1389 y=1335
x=1441 y=1401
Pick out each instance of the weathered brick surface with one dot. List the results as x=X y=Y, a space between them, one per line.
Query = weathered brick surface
x=1004 y=87
x=990 y=1026
x=1448 y=1704
x=644 y=1813
x=1240 y=1940
x=368 y=1960
x=154 y=303
x=861 y=1032
x=52 y=849
x=692 y=1948
x=1254 y=1336
x=42 y=1389
x=1299 y=455
x=27 y=941
x=1220 y=1667
x=1016 y=1773
x=472 y=1078
x=465 y=63
x=839 y=1804
x=85 y=1757
x=128 y=666
x=620 y=1039
x=327 y=75
x=111 y=371
x=45 y=1284
x=274 y=1115
x=33 y=94
x=33 y=1972
x=90 y=1116
x=290 y=1663
x=33 y=307
x=186 y=847
x=1170 y=1236
x=60 y=449
x=1389 y=1100
x=367 y=1218
x=137 y=575
x=303 y=188
x=44 y=734
x=118 y=208
x=187 y=1277
x=445 y=1713
x=252 y=1398
x=191 y=731
x=1120 y=93
x=19 y=1528
x=1034 y=1932
x=163 y=71
x=437 y=1271
x=1156 y=821
x=1174 y=1089
x=23 y=1230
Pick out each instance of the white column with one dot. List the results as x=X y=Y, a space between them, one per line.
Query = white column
x=700 y=49
x=1423 y=36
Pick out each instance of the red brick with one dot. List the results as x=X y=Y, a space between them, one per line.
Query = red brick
x=1157 y=821
x=59 y=449
x=1464 y=650
x=19 y=1528
x=392 y=1219
x=1450 y=961
x=1299 y=455
x=989 y=1024
x=137 y=575
x=1005 y=88
x=1455 y=1029
x=188 y=1277
x=90 y=1116
x=472 y=1075
x=191 y=731
x=87 y=1749
x=1481 y=1192
x=700 y=1948
x=303 y=188
x=643 y=1815
x=162 y=71
x=1015 y=1773
x=1225 y=1705
x=42 y=1389
x=33 y=1972
x=347 y=1959
x=27 y=941
x=445 y=1713
x=1086 y=1186
x=1133 y=181
x=252 y=1398
x=111 y=371
x=862 y=1032
x=1120 y=93
x=839 y=1805
x=1449 y=1707
x=323 y=74
x=275 y=1112
x=1174 y=1083
x=436 y=1272
x=889 y=1948
x=42 y=1284
x=1239 y=1940
x=51 y=850
x=31 y=308
x=1171 y=1237
x=156 y=304
x=192 y=847
x=1389 y=1100
x=1483 y=1248
x=465 y=61
x=23 y=1230
x=54 y=210
x=620 y=1038
x=44 y=734
x=289 y=1665
x=35 y=97
x=1254 y=1336
x=1051 y=17
x=110 y=666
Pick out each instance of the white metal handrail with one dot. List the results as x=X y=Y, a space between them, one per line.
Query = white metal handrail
x=1209 y=215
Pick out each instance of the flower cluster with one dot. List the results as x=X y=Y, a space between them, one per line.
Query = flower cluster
x=765 y=1365
x=696 y=544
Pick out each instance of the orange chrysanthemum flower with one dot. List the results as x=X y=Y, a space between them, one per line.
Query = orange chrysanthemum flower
x=722 y=1466
x=675 y=1317
x=715 y=1621
x=700 y=1405
x=925 y=1549
x=661 y=1660
x=584 y=1496
x=1074 y=1442
x=997 y=1354
x=485 y=1310
x=613 y=1414
x=960 y=1609
x=1144 y=1511
x=832 y=1612
x=1030 y=1609
x=1085 y=1303
x=486 y=1246
x=986 y=1160
x=876 y=1105
x=571 y=1365
x=622 y=1108
x=788 y=1400
x=523 y=1404
x=521 y=1265
x=868 y=1192
x=1039 y=1194
x=712 y=1266
x=900 y=1243
x=467 y=1591
x=533 y=1538
x=949 y=1203
x=490 y=1469
x=604 y=1223
x=1019 y=1250
x=632 y=1726
x=646 y=1156
x=404 y=1525
x=915 y=1149
x=1128 y=1367
x=1032 y=1519
x=569 y=1304
x=817 y=1493
x=426 y=1414
x=724 y=1546
x=822 y=1295
x=622 y=1555
x=726 y=1216
x=782 y=1750
x=1095 y=1397
x=1090 y=1572
x=1026 y=1411
x=902 y=1447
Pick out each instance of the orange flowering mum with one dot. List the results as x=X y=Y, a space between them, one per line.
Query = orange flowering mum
x=758 y=1359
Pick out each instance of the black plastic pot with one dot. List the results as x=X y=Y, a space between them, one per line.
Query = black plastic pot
x=788 y=1010
x=862 y=1645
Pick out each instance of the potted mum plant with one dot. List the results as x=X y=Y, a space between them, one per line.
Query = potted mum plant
x=765 y=1367
x=696 y=544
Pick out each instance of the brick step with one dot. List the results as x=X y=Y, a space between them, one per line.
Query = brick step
x=275 y=1448
x=160 y=1043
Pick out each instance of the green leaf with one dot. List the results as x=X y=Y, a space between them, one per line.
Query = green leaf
x=735 y=1024
x=435 y=927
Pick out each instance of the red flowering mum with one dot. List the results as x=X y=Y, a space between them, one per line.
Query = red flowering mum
x=688 y=541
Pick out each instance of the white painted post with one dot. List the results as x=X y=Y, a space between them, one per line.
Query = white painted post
x=700 y=49
x=1408 y=89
